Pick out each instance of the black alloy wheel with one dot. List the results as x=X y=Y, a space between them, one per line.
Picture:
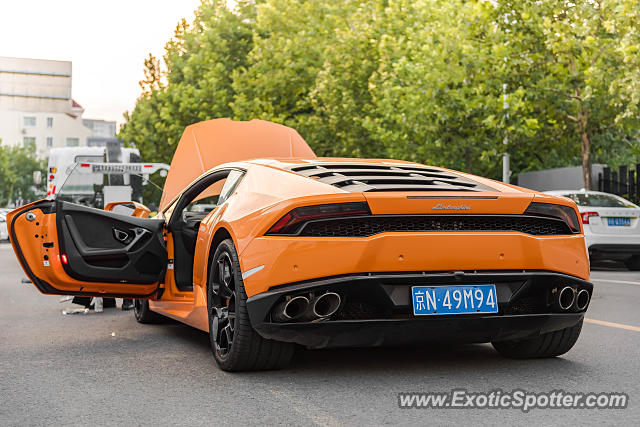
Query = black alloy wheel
x=222 y=309
x=143 y=313
x=236 y=346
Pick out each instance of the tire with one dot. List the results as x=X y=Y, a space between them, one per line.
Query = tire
x=551 y=344
x=633 y=263
x=143 y=313
x=236 y=346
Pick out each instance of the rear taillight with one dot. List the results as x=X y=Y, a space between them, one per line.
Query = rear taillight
x=586 y=215
x=293 y=221
x=564 y=213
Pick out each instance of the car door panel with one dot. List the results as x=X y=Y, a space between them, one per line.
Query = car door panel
x=68 y=249
x=105 y=247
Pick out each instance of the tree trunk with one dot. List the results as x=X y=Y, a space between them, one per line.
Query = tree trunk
x=582 y=121
x=585 y=145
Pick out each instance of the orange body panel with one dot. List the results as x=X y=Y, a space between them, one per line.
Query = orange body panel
x=294 y=259
x=205 y=145
x=139 y=211
x=170 y=290
x=43 y=229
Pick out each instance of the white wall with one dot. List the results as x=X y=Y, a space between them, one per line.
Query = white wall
x=41 y=89
x=13 y=131
x=569 y=178
x=35 y=85
x=101 y=128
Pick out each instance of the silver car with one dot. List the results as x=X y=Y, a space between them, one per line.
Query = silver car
x=4 y=233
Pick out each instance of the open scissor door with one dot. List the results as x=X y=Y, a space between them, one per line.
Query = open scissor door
x=69 y=249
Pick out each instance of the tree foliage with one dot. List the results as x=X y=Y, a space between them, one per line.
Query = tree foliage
x=193 y=81
x=17 y=165
x=423 y=80
x=569 y=59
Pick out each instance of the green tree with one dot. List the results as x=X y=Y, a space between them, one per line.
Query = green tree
x=290 y=43
x=342 y=97
x=423 y=80
x=433 y=92
x=569 y=60
x=17 y=165
x=193 y=80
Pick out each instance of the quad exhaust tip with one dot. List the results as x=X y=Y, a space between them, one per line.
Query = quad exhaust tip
x=566 y=297
x=582 y=299
x=302 y=309
x=291 y=309
x=325 y=305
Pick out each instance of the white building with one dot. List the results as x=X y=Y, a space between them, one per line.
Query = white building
x=101 y=128
x=102 y=131
x=36 y=108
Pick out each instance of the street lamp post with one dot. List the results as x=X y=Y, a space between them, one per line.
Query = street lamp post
x=506 y=167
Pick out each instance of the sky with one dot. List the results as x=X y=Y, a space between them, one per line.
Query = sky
x=107 y=41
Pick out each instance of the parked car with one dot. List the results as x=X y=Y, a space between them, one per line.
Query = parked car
x=321 y=252
x=611 y=225
x=4 y=232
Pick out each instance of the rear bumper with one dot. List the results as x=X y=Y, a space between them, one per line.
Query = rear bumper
x=612 y=246
x=613 y=251
x=282 y=260
x=524 y=302
x=367 y=333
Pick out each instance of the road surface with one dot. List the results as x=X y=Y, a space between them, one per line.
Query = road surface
x=107 y=369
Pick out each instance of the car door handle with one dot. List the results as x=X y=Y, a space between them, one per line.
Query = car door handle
x=121 y=236
x=131 y=237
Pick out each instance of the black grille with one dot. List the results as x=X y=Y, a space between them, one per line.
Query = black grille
x=371 y=225
x=363 y=177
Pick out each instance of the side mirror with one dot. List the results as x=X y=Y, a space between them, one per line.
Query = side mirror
x=139 y=210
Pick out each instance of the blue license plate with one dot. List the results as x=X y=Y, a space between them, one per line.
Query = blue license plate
x=618 y=222
x=459 y=299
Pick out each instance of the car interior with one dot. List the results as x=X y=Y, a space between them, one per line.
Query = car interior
x=186 y=214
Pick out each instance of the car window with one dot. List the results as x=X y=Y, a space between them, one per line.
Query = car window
x=599 y=200
x=230 y=185
x=207 y=201
x=216 y=194
x=97 y=184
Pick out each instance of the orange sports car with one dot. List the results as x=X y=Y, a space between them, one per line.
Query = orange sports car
x=266 y=247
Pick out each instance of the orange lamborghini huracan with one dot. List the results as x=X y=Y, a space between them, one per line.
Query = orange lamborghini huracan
x=266 y=246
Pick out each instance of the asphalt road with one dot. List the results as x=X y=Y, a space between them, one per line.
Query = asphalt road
x=107 y=369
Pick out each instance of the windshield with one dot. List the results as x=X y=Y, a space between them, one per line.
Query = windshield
x=600 y=200
x=97 y=184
